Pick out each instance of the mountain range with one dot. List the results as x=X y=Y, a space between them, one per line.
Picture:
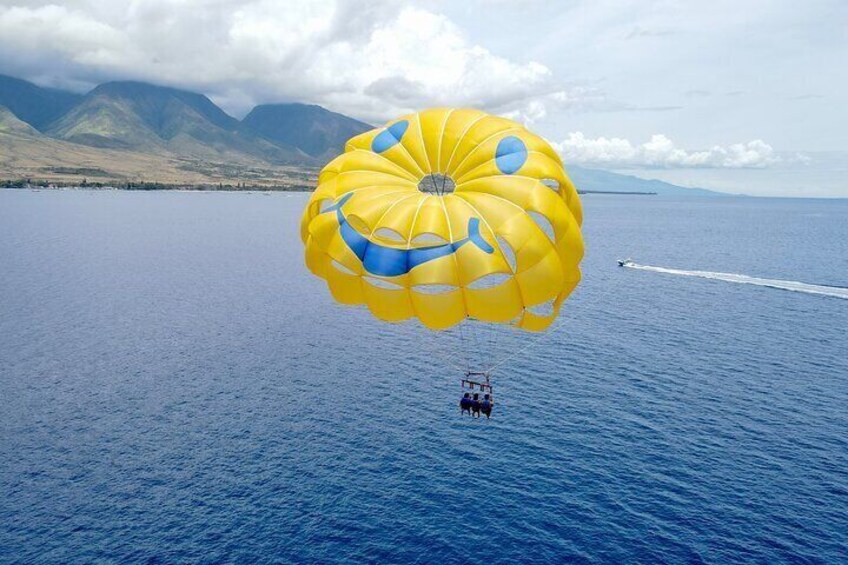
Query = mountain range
x=132 y=131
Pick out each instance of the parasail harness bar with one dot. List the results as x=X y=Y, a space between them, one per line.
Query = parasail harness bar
x=483 y=386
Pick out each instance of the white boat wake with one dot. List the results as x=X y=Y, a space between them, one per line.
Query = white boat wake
x=794 y=286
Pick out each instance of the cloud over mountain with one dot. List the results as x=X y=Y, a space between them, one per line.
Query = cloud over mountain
x=661 y=152
x=372 y=59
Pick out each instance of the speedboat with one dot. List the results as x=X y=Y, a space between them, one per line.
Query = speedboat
x=624 y=262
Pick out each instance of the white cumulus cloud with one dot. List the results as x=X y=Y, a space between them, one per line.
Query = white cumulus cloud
x=371 y=59
x=661 y=152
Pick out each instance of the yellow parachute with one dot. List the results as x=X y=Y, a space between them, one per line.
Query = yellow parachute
x=447 y=215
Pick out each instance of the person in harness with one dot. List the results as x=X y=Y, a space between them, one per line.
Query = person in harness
x=475 y=405
x=486 y=406
x=465 y=403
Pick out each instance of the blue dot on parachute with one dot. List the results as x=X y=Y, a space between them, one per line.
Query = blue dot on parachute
x=389 y=137
x=510 y=155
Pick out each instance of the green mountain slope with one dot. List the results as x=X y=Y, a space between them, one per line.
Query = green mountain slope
x=315 y=130
x=11 y=124
x=33 y=104
x=149 y=118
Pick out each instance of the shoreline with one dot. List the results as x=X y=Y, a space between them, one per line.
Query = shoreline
x=243 y=188
x=170 y=188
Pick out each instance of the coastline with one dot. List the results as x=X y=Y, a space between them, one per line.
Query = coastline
x=150 y=187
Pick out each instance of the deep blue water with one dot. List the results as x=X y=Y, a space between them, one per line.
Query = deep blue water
x=176 y=387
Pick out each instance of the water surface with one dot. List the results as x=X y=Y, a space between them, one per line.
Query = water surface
x=176 y=387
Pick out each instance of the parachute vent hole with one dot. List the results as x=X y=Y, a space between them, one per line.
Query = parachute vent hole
x=553 y=184
x=339 y=267
x=428 y=239
x=544 y=224
x=434 y=288
x=508 y=253
x=390 y=234
x=382 y=283
x=489 y=281
x=545 y=309
x=437 y=183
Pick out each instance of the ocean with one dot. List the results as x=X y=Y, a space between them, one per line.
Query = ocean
x=175 y=387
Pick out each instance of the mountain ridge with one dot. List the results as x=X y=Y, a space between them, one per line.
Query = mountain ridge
x=150 y=118
x=319 y=132
x=131 y=130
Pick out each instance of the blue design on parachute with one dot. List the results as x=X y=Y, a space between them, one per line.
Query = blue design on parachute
x=389 y=137
x=510 y=155
x=386 y=261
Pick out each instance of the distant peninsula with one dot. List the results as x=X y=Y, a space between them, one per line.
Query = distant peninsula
x=631 y=193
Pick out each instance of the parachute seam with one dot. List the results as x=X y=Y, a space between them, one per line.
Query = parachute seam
x=461 y=139
x=441 y=139
x=455 y=260
x=414 y=220
x=494 y=235
x=408 y=154
x=409 y=245
x=355 y=191
x=383 y=157
x=479 y=145
x=359 y=189
x=567 y=191
x=423 y=144
x=544 y=235
x=387 y=160
x=508 y=201
x=395 y=189
x=503 y=255
x=389 y=209
x=571 y=219
x=502 y=175
x=372 y=187
x=411 y=182
x=486 y=162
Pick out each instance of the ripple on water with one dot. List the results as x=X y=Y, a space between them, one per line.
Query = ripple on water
x=176 y=388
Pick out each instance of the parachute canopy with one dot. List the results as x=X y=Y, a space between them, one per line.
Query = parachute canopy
x=444 y=215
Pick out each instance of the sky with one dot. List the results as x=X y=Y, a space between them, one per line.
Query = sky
x=741 y=96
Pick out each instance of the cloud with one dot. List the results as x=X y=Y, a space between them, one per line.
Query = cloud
x=372 y=59
x=660 y=152
x=528 y=113
x=572 y=99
